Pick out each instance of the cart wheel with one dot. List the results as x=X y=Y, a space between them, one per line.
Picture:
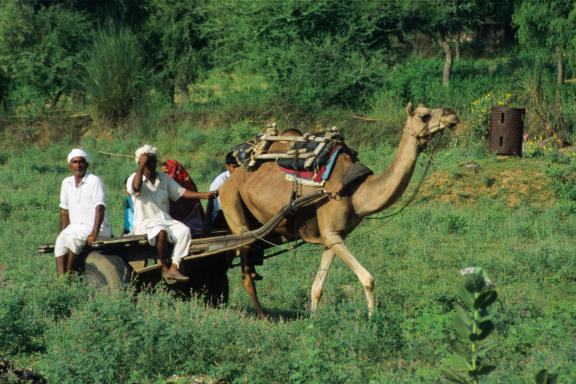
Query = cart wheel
x=103 y=270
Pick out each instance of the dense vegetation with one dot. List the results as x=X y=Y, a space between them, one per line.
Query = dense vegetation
x=195 y=78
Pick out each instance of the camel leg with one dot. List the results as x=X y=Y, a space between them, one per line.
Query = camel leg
x=316 y=294
x=248 y=282
x=234 y=212
x=363 y=275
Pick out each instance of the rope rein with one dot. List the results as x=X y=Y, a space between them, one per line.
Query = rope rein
x=416 y=190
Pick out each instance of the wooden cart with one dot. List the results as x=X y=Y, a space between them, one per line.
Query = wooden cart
x=116 y=262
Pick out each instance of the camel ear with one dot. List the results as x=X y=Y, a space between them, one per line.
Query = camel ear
x=409 y=109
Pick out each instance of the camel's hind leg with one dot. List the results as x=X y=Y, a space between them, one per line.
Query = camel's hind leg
x=363 y=275
x=316 y=294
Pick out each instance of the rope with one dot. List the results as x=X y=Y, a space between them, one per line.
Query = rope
x=116 y=154
x=320 y=195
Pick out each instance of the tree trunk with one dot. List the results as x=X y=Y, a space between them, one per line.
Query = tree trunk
x=444 y=43
x=457 y=47
x=559 y=67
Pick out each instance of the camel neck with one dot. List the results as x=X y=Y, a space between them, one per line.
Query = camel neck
x=381 y=191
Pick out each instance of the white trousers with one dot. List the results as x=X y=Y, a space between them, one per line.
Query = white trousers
x=178 y=234
x=73 y=238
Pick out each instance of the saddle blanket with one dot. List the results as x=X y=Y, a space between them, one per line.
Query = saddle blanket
x=313 y=178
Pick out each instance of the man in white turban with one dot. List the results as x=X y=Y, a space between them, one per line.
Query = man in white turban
x=152 y=191
x=82 y=212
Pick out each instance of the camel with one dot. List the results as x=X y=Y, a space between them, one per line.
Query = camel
x=260 y=194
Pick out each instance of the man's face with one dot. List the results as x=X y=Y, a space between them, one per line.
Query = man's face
x=78 y=166
x=151 y=163
x=231 y=167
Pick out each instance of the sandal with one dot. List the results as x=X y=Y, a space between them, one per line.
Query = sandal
x=255 y=276
x=174 y=277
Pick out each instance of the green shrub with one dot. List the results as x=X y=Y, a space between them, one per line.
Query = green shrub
x=481 y=112
x=316 y=74
x=115 y=75
x=26 y=313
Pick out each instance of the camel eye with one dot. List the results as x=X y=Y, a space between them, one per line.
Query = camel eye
x=426 y=118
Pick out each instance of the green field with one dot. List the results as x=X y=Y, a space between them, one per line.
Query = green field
x=195 y=78
x=514 y=218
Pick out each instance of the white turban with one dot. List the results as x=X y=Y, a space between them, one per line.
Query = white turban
x=146 y=149
x=77 y=152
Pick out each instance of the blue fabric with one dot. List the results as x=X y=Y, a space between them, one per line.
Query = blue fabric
x=330 y=164
x=128 y=214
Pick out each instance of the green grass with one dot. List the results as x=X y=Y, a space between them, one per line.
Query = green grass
x=70 y=333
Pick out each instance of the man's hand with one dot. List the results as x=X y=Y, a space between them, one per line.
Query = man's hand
x=142 y=160
x=91 y=239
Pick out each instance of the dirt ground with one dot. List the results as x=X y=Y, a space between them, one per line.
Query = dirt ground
x=469 y=182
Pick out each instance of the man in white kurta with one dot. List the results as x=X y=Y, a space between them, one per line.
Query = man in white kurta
x=231 y=165
x=152 y=192
x=82 y=212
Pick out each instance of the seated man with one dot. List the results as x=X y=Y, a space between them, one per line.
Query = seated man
x=152 y=191
x=188 y=211
x=82 y=212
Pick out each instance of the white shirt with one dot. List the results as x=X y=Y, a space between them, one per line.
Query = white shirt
x=218 y=181
x=81 y=201
x=152 y=204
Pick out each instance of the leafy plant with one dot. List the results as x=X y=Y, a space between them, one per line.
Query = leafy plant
x=40 y=48
x=481 y=110
x=115 y=75
x=473 y=324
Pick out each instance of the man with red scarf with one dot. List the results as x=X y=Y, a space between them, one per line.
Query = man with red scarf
x=188 y=211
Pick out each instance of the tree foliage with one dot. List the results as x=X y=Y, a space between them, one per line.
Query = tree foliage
x=40 y=50
x=312 y=53
x=447 y=22
x=548 y=27
x=173 y=29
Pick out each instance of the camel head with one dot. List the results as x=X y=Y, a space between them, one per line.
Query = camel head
x=424 y=123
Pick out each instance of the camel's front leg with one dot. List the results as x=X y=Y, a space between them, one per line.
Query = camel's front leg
x=235 y=214
x=316 y=294
x=363 y=275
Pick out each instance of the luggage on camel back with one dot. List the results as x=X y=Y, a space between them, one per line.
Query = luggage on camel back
x=308 y=160
x=188 y=211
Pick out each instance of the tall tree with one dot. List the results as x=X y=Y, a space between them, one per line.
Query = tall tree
x=174 y=41
x=446 y=21
x=548 y=28
x=40 y=48
x=312 y=52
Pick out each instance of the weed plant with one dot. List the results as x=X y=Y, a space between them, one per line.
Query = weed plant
x=115 y=75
